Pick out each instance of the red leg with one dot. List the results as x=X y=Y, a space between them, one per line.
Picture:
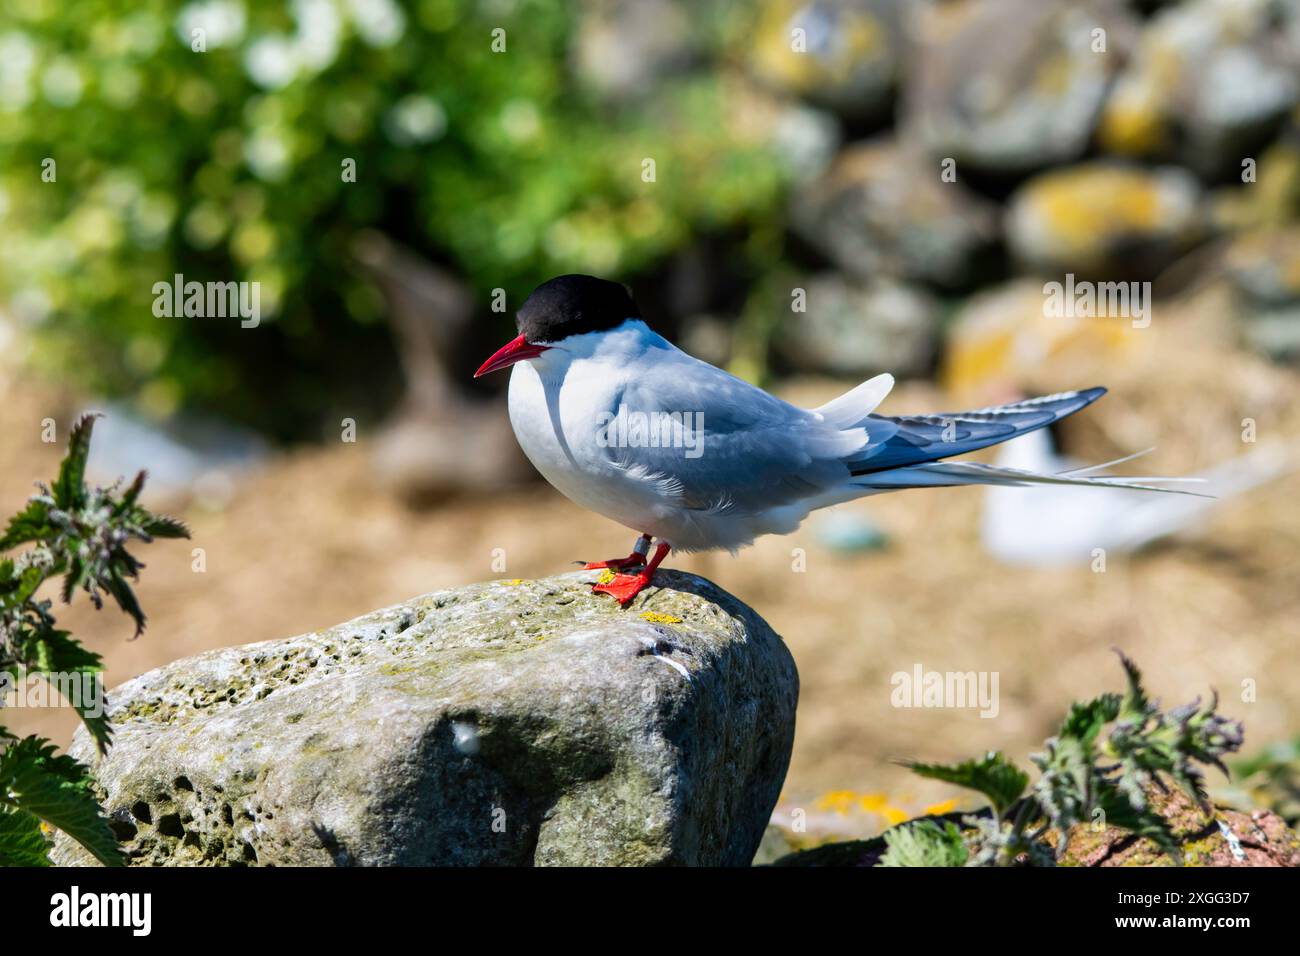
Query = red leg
x=627 y=586
x=633 y=560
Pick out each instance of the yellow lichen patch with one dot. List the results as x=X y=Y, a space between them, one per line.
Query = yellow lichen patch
x=894 y=815
x=1272 y=200
x=513 y=582
x=943 y=806
x=873 y=802
x=1005 y=335
x=1086 y=207
x=837 y=801
x=1132 y=124
x=845 y=802
x=880 y=805
x=605 y=576
x=654 y=617
x=782 y=55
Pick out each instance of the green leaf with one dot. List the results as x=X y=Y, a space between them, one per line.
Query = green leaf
x=1064 y=791
x=69 y=490
x=164 y=526
x=1143 y=821
x=52 y=651
x=1085 y=720
x=1135 y=701
x=116 y=585
x=98 y=726
x=77 y=577
x=30 y=524
x=55 y=788
x=55 y=650
x=131 y=495
x=994 y=776
x=925 y=843
x=21 y=841
x=17 y=590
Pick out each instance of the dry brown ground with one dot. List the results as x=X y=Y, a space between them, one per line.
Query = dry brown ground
x=307 y=543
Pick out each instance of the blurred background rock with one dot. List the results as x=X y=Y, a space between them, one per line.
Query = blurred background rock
x=839 y=187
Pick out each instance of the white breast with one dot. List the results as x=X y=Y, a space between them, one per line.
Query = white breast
x=555 y=404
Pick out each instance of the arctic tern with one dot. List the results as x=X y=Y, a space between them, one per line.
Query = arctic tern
x=623 y=423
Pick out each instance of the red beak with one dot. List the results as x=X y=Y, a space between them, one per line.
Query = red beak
x=516 y=350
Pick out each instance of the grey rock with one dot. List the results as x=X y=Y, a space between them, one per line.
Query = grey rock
x=854 y=330
x=841 y=55
x=1210 y=81
x=884 y=209
x=527 y=722
x=804 y=139
x=1013 y=86
x=1263 y=270
x=1263 y=265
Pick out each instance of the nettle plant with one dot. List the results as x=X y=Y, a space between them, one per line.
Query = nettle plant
x=1085 y=776
x=79 y=534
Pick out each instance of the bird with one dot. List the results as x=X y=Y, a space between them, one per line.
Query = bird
x=1049 y=526
x=623 y=423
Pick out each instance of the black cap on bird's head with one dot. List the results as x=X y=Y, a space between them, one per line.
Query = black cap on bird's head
x=561 y=307
x=574 y=305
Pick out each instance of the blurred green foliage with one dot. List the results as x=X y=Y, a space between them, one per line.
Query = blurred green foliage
x=228 y=165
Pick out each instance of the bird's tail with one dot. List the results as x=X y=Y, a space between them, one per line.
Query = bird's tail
x=950 y=473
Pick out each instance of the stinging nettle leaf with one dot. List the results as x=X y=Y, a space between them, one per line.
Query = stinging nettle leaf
x=21 y=841
x=125 y=597
x=925 y=843
x=1143 y=821
x=69 y=489
x=993 y=775
x=55 y=788
x=1085 y=720
x=1135 y=701
x=131 y=494
x=30 y=524
x=164 y=526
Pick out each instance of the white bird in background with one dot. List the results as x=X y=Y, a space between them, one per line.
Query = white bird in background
x=1045 y=526
x=623 y=423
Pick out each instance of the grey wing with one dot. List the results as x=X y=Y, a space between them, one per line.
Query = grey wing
x=922 y=438
x=752 y=451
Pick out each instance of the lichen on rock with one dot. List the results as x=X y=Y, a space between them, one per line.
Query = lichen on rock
x=504 y=723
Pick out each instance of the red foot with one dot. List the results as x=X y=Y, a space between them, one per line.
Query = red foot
x=624 y=587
